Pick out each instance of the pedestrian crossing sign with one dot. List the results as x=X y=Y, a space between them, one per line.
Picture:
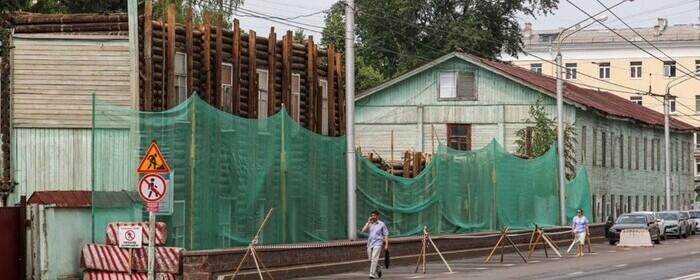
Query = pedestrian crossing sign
x=153 y=161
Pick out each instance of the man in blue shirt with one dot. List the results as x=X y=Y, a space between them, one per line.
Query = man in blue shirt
x=579 y=227
x=378 y=235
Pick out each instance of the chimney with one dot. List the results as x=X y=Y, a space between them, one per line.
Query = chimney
x=660 y=26
x=527 y=30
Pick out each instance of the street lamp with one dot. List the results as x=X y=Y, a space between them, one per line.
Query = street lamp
x=667 y=136
x=560 y=108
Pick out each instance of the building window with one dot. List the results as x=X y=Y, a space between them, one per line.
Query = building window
x=583 y=144
x=636 y=100
x=604 y=70
x=181 y=76
x=603 y=145
x=672 y=104
x=697 y=166
x=629 y=152
x=536 y=67
x=669 y=69
x=636 y=153
x=296 y=97
x=459 y=136
x=571 y=71
x=697 y=141
x=653 y=152
x=458 y=86
x=697 y=68
x=636 y=69
x=622 y=151
x=595 y=147
x=658 y=155
x=612 y=150
x=644 y=154
x=697 y=103
x=324 y=106
x=226 y=88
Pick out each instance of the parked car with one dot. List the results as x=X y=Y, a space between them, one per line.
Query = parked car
x=637 y=221
x=689 y=221
x=675 y=224
x=695 y=215
x=659 y=221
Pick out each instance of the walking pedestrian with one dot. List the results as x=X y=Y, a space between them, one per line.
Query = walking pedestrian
x=579 y=228
x=378 y=237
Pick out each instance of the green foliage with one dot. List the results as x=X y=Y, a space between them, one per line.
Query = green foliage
x=544 y=135
x=299 y=36
x=395 y=36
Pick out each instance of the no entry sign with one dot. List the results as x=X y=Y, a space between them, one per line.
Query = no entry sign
x=152 y=188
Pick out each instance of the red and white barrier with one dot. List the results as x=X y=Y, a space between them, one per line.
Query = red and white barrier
x=114 y=259
x=113 y=230
x=101 y=275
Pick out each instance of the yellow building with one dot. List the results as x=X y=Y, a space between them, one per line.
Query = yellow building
x=601 y=59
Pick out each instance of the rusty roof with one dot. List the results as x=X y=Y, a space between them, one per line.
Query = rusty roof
x=62 y=198
x=602 y=101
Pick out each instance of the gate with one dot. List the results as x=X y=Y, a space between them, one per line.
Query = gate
x=11 y=240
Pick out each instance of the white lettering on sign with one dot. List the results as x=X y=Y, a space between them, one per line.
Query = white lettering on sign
x=130 y=236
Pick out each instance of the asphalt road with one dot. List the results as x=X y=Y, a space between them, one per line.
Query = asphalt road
x=673 y=259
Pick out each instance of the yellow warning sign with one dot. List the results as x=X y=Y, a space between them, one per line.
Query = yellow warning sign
x=153 y=161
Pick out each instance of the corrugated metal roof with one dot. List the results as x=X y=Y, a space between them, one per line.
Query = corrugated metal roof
x=84 y=199
x=62 y=198
x=672 y=33
x=602 y=101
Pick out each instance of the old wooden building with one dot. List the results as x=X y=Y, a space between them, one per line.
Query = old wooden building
x=57 y=62
x=466 y=101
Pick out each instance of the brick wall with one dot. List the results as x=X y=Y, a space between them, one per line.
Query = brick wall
x=300 y=260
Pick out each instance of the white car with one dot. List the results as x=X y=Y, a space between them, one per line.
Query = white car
x=659 y=221
x=695 y=216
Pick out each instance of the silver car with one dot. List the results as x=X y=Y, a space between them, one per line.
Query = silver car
x=675 y=224
x=689 y=221
x=695 y=215
x=659 y=221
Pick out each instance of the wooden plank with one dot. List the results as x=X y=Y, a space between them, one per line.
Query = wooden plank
x=189 y=50
x=271 y=60
x=318 y=109
x=311 y=83
x=341 y=93
x=218 y=98
x=206 y=56
x=171 y=96
x=331 y=91
x=236 y=62
x=287 y=70
x=252 y=77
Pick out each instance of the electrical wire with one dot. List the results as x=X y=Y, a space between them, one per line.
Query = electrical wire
x=631 y=42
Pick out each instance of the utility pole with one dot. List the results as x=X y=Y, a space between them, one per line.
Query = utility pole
x=560 y=140
x=667 y=139
x=350 y=113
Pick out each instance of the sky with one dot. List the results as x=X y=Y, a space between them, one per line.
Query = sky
x=638 y=13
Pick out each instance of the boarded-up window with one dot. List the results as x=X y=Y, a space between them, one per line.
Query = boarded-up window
x=459 y=136
x=583 y=144
x=466 y=86
x=612 y=149
x=644 y=154
x=324 y=106
x=262 y=93
x=296 y=96
x=595 y=147
x=603 y=146
x=181 y=76
x=636 y=153
x=622 y=151
x=226 y=89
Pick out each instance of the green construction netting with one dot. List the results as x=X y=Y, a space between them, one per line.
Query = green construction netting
x=227 y=171
x=460 y=191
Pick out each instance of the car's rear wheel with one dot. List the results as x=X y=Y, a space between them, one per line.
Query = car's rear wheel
x=658 y=237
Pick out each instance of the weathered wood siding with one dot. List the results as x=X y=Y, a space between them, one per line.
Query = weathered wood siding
x=55 y=77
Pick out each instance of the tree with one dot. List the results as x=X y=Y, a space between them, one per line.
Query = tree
x=299 y=36
x=534 y=141
x=395 y=36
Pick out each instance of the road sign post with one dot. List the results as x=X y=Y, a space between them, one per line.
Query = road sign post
x=152 y=189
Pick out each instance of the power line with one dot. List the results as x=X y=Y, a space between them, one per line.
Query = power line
x=279 y=18
x=628 y=41
x=243 y=14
